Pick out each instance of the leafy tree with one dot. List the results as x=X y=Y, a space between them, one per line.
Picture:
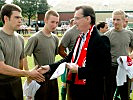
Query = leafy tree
x=42 y=6
x=2 y=2
x=31 y=7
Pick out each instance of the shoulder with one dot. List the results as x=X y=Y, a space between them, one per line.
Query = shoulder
x=109 y=32
x=105 y=38
x=35 y=36
x=18 y=35
x=72 y=30
x=1 y=33
x=100 y=39
x=129 y=31
x=130 y=34
x=55 y=37
x=68 y=31
x=105 y=41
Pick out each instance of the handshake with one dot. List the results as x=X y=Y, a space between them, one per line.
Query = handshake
x=37 y=73
x=44 y=69
x=71 y=66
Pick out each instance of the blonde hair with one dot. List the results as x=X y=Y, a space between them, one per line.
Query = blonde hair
x=51 y=12
x=119 y=12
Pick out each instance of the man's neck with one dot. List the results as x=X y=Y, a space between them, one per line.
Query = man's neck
x=46 y=32
x=8 y=30
x=119 y=29
x=86 y=29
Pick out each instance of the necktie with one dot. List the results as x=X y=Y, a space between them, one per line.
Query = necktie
x=83 y=37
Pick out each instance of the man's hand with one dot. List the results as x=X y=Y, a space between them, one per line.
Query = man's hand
x=29 y=80
x=43 y=69
x=35 y=75
x=72 y=67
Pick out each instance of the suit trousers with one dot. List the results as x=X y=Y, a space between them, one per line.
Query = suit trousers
x=76 y=92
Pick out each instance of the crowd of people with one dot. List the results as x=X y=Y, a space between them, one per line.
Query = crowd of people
x=89 y=54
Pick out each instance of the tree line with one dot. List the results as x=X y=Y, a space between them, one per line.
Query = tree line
x=30 y=8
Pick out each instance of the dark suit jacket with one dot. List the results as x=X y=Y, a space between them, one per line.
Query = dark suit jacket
x=98 y=63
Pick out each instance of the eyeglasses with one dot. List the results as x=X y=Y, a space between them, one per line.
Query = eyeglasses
x=78 y=18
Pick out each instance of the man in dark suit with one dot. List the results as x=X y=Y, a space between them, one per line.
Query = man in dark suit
x=90 y=60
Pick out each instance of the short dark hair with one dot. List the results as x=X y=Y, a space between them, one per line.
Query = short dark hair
x=126 y=16
x=101 y=24
x=6 y=10
x=87 y=11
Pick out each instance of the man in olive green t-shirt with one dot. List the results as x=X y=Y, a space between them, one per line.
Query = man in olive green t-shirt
x=44 y=47
x=120 y=40
x=12 y=54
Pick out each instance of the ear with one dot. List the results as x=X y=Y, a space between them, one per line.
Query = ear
x=101 y=29
x=6 y=18
x=88 y=19
x=45 y=20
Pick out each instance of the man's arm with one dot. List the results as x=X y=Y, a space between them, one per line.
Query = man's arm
x=21 y=64
x=130 y=52
x=9 y=70
x=25 y=63
x=61 y=51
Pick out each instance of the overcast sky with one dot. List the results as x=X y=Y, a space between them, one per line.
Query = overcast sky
x=50 y=2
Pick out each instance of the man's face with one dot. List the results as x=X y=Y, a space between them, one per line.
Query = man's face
x=80 y=20
x=118 y=22
x=51 y=23
x=105 y=29
x=15 y=20
x=125 y=23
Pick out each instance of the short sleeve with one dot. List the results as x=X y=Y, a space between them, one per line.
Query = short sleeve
x=66 y=39
x=57 y=43
x=22 y=41
x=2 y=58
x=131 y=42
x=31 y=44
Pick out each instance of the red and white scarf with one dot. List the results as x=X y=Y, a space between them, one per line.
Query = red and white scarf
x=81 y=58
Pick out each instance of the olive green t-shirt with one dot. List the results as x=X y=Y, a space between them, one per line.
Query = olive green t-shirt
x=43 y=48
x=120 y=43
x=11 y=50
x=69 y=38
